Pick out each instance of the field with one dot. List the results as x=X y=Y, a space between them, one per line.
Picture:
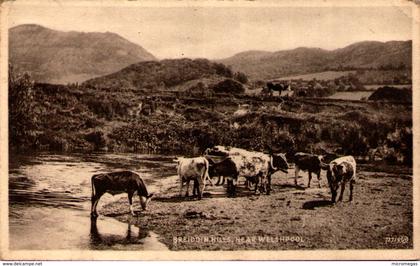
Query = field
x=351 y=95
x=380 y=215
x=326 y=75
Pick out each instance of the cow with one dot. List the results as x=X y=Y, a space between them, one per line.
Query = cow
x=195 y=169
x=254 y=166
x=308 y=162
x=224 y=168
x=117 y=183
x=339 y=172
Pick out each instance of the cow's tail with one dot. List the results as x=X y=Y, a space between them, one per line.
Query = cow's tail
x=206 y=175
x=271 y=166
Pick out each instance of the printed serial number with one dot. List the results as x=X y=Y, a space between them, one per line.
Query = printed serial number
x=396 y=240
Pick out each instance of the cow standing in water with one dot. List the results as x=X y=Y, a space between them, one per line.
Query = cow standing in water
x=339 y=172
x=308 y=162
x=117 y=183
x=195 y=169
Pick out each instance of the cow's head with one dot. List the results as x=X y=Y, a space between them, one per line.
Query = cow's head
x=279 y=162
x=144 y=201
x=334 y=176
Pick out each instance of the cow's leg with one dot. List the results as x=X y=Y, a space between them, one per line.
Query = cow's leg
x=333 y=195
x=188 y=188
x=318 y=175
x=263 y=184
x=257 y=182
x=351 y=190
x=219 y=180
x=343 y=186
x=296 y=174
x=233 y=187
x=223 y=180
x=230 y=187
x=268 y=185
x=201 y=185
x=95 y=200
x=309 y=178
x=180 y=188
x=130 y=201
x=248 y=184
x=211 y=181
x=195 y=188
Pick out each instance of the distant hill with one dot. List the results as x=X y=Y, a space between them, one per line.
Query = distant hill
x=61 y=57
x=367 y=55
x=173 y=74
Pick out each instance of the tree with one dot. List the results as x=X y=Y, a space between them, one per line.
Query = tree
x=23 y=114
x=241 y=77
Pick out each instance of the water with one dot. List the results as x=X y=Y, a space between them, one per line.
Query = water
x=49 y=201
x=375 y=87
x=351 y=95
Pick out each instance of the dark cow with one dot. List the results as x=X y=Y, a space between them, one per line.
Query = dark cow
x=224 y=168
x=195 y=169
x=277 y=87
x=117 y=183
x=254 y=166
x=339 y=172
x=308 y=162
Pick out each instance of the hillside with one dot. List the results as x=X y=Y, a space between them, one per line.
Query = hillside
x=362 y=55
x=162 y=75
x=62 y=57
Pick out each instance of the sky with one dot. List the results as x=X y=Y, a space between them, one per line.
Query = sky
x=216 y=32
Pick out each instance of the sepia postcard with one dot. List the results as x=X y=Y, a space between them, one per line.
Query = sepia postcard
x=209 y=130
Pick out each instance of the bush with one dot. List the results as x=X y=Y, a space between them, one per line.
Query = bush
x=228 y=86
x=391 y=94
x=97 y=138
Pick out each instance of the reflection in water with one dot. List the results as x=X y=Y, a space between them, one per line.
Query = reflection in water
x=49 y=199
x=98 y=240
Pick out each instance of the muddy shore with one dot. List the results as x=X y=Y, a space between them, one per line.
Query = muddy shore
x=380 y=216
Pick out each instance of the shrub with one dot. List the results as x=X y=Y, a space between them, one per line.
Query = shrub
x=228 y=86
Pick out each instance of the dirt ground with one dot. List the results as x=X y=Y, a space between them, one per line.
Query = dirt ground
x=380 y=216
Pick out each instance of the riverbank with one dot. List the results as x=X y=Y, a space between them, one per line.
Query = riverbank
x=380 y=216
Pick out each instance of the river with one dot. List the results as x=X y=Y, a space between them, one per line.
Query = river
x=49 y=201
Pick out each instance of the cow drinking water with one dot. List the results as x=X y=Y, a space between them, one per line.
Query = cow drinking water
x=117 y=183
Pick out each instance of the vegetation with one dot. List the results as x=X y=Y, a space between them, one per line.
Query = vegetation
x=391 y=94
x=89 y=118
x=23 y=114
x=160 y=75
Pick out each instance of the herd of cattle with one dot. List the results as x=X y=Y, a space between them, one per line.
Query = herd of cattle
x=229 y=163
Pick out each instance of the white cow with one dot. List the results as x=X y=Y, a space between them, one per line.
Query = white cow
x=339 y=172
x=195 y=169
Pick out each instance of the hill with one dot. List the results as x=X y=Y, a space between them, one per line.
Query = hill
x=62 y=57
x=362 y=55
x=175 y=74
